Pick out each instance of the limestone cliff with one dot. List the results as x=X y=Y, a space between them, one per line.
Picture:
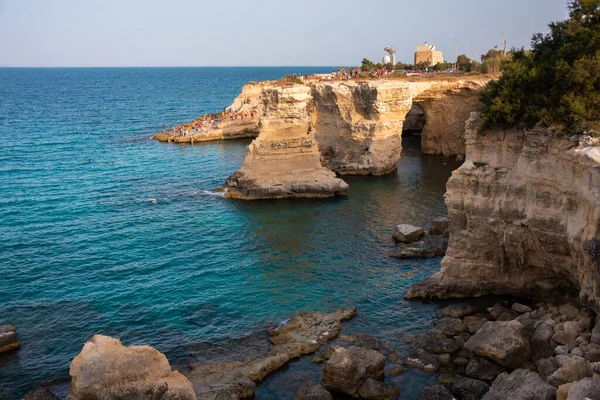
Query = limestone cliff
x=524 y=214
x=358 y=124
x=348 y=127
x=284 y=160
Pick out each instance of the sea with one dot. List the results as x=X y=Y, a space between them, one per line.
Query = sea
x=84 y=249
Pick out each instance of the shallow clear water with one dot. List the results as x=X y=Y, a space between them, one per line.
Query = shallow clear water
x=84 y=251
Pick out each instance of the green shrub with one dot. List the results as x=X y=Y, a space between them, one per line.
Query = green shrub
x=557 y=82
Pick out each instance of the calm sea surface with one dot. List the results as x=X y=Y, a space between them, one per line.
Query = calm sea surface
x=84 y=251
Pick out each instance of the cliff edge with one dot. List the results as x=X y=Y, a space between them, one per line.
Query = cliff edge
x=524 y=214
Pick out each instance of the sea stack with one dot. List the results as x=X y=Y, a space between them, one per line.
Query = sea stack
x=284 y=160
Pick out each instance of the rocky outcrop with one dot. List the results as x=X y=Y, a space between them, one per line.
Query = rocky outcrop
x=358 y=125
x=241 y=124
x=348 y=369
x=524 y=212
x=107 y=370
x=8 y=338
x=284 y=160
x=414 y=242
x=350 y=128
x=303 y=334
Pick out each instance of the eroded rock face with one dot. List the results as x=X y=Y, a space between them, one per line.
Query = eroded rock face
x=350 y=128
x=284 y=160
x=106 y=370
x=524 y=211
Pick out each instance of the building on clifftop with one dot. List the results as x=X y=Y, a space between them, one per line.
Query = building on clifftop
x=427 y=54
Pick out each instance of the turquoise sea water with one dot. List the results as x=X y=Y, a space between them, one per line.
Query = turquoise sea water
x=84 y=251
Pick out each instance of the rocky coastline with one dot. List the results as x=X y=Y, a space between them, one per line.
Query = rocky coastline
x=308 y=135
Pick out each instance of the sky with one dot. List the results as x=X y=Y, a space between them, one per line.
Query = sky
x=258 y=32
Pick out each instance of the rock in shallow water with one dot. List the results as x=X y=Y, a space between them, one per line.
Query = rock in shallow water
x=405 y=233
x=8 y=338
x=430 y=246
x=107 y=370
x=376 y=390
x=313 y=391
x=348 y=369
x=303 y=334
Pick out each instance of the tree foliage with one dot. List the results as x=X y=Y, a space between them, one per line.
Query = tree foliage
x=557 y=82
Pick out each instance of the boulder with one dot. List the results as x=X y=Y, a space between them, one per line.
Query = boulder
x=367 y=341
x=502 y=341
x=483 y=369
x=542 y=344
x=450 y=326
x=173 y=387
x=522 y=384
x=348 y=369
x=568 y=311
x=587 y=388
x=393 y=369
x=521 y=308
x=459 y=310
x=419 y=358
x=470 y=389
x=439 y=226
x=8 y=338
x=405 y=233
x=436 y=344
x=430 y=246
x=436 y=392
x=313 y=391
x=106 y=370
x=376 y=390
x=474 y=323
x=546 y=366
x=572 y=369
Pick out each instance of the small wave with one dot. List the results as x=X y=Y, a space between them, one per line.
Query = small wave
x=211 y=193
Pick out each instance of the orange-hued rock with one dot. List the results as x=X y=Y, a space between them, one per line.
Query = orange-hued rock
x=524 y=214
x=348 y=127
x=105 y=370
x=284 y=160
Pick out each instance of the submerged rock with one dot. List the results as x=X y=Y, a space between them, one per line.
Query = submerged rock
x=376 y=390
x=303 y=334
x=107 y=370
x=313 y=391
x=8 y=338
x=348 y=369
x=436 y=392
x=40 y=392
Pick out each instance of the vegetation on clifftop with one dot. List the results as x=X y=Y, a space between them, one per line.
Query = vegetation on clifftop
x=557 y=83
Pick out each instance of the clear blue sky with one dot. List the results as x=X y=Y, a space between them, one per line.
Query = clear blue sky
x=257 y=32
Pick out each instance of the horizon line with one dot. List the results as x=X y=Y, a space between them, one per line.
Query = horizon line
x=171 y=66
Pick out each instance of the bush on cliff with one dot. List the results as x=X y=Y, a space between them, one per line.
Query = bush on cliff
x=557 y=82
